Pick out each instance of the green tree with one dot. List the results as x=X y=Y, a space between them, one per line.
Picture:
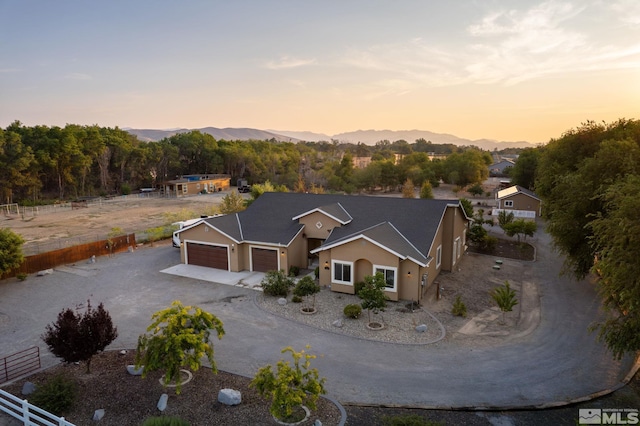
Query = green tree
x=426 y=191
x=408 y=189
x=476 y=189
x=372 y=294
x=307 y=287
x=232 y=203
x=504 y=218
x=78 y=337
x=11 y=256
x=524 y=171
x=616 y=241
x=291 y=385
x=520 y=227
x=573 y=172
x=467 y=206
x=178 y=338
x=505 y=298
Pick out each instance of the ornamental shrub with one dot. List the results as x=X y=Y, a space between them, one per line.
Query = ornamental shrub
x=276 y=283
x=352 y=311
x=165 y=421
x=56 y=395
x=459 y=308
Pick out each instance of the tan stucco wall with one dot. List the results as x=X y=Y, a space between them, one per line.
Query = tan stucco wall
x=521 y=202
x=453 y=226
x=310 y=228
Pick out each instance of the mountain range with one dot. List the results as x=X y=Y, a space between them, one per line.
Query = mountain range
x=368 y=137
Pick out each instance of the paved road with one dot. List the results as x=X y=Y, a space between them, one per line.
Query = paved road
x=559 y=361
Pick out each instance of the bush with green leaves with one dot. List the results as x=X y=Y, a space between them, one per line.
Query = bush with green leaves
x=296 y=299
x=165 y=421
x=276 y=283
x=357 y=287
x=290 y=386
x=352 y=311
x=305 y=288
x=459 y=308
x=294 y=271
x=505 y=298
x=316 y=272
x=11 y=256
x=56 y=395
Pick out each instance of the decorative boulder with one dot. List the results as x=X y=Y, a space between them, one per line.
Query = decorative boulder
x=131 y=369
x=421 y=328
x=98 y=415
x=282 y=301
x=28 y=388
x=229 y=397
x=317 y=423
x=337 y=323
x=162 y=402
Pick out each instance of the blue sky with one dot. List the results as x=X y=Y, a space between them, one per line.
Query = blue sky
x=506 y=70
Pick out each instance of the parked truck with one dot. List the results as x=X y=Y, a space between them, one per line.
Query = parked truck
x=243 y=186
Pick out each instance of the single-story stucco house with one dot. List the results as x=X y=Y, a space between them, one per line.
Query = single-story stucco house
x=348 y=237
x=195 y=184
x=522 y=202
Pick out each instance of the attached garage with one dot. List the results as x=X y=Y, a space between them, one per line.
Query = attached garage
x=264 y=260
x=207 y=255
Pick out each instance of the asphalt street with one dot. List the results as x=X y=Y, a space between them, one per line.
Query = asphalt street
x=560 y=361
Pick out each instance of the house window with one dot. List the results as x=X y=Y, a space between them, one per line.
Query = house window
x=389 y=275
x=438 y=256
x=342 y=272
x=508 y=203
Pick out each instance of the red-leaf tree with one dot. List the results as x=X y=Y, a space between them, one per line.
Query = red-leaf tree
x=78 y=337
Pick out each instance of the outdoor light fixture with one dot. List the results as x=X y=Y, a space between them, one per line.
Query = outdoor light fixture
x=232 y=248
x=326 y=265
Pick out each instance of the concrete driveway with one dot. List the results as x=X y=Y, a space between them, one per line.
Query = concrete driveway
x=558 y=362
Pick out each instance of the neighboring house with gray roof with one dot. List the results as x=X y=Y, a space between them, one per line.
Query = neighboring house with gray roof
x=520 y=201
x=349 y=237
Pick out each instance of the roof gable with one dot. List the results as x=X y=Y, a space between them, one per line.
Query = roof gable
x=516 y=189
x=335 y=211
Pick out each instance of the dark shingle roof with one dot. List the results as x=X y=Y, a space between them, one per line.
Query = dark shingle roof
x=405 y=226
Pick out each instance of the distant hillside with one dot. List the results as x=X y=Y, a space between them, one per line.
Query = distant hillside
x=229 y=134
x=369 y=137
x=303 y=136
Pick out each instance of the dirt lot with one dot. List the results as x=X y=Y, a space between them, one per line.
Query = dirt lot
x=132 y=215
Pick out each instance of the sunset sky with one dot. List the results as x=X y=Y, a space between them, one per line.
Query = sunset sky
x=505 y=70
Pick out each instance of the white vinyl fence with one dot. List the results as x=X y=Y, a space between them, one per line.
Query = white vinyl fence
x=526 y=214
x=27 y=413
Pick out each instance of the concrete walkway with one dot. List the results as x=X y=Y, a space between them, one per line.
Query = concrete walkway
x=556 y=362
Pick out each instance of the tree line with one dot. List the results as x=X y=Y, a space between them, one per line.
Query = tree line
x=589 y=182
x=42 y=163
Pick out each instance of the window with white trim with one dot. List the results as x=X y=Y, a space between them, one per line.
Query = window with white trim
x=389 y=274
x=508 y=203
x=342 y=272
x=438 y=256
